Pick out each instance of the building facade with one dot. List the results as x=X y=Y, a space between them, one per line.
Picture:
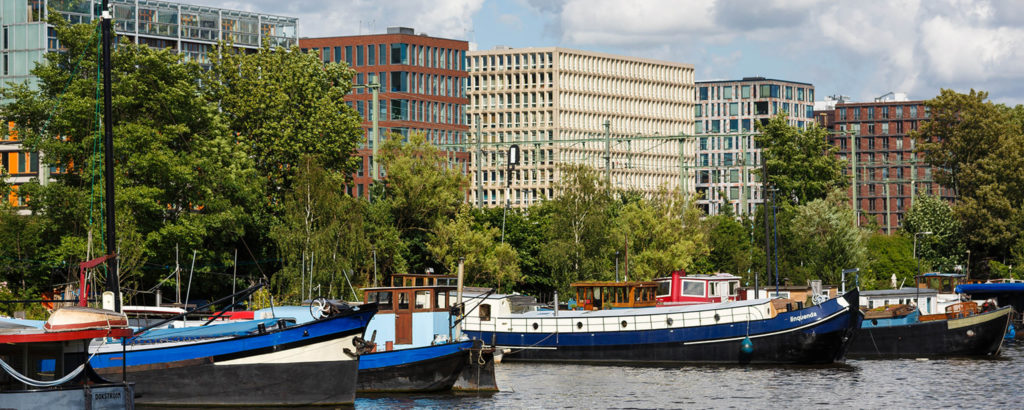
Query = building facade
x=889 y=174
x=620 y=115
x=189 y=30
x=422 y=89
x=727 y=113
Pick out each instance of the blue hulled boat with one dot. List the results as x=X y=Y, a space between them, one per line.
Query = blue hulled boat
x=413 y=343
x=750 y=331
x=269 y=362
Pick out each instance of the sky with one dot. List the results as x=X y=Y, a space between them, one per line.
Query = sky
x=857 y=48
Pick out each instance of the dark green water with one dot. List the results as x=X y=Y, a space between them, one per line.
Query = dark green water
x=869 y=384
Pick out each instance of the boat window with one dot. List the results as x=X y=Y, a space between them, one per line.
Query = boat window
x=714 y=288
x=664 y=288
x=693 y=288
x=441 y=300
x=620 y=295
x=422 y=299
x=383 y=299
x=419 y=281
x=403 y=300
x=734 y=287
x=485 y=312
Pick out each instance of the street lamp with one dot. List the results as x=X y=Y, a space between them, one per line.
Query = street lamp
x=918 y=286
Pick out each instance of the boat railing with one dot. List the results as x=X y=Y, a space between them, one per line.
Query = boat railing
x=623 y=322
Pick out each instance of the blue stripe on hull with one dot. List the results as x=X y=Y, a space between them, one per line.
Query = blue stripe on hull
x=408 y=356
x=818 y=334
x=145 y=354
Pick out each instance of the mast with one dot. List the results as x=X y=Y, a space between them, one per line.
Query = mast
x=108 y=160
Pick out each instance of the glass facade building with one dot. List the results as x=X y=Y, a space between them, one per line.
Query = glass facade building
x=25 y=38
x=727 y=113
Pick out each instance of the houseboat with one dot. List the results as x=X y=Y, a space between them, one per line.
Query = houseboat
x=266 y=362
x=901 y=331
x=47 y=367
x=753 y=331
x=417 y=345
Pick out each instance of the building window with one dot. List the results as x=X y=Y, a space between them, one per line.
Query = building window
x=727 y=93
x=371 y=54
x=734 y=108
x=789 y=92
x=359 y=56
x=337 y=54
x=703 y=93
x=745 y=91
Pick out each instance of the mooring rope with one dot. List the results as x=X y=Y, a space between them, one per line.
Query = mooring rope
x=39 y=383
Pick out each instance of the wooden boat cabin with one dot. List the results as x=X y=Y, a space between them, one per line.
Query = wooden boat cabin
x=413 y=311
x=683 y=289
x=612 y=295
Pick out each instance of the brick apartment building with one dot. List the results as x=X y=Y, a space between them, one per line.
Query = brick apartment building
x=889 y=173
x=422 y=89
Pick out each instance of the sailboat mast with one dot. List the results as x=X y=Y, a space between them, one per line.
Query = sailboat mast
x=108 y=160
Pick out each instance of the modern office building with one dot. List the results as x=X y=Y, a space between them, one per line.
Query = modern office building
x=422 y=88
x=727 y=113
x=889 y=173
x=561 y=106
x=186 y=29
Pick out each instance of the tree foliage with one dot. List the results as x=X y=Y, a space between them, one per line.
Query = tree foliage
x=826 y=238
x=801 y=163
x=944 y=248
x=976 y=148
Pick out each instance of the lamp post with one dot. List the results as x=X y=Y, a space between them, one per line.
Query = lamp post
x=917 y=299
x=968 y=265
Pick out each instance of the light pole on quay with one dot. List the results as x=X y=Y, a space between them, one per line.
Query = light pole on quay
x=917 y=300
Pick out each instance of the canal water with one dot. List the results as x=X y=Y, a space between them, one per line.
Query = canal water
x=959 y=383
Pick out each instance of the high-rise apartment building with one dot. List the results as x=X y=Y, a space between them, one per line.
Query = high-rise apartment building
x=889 y=173
x=190 y=30
x=562 y=106
x=727 y=113
x=422 y=88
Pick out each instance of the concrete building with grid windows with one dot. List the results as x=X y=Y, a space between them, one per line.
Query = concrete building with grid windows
x=726 y=116
x=554 y=103
x=187 y=29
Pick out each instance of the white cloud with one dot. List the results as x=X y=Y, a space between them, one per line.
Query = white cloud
x=439 y=18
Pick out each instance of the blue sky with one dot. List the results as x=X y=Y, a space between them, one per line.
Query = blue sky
x=862 y=49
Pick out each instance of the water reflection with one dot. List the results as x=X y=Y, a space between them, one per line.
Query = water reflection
x=906 y=383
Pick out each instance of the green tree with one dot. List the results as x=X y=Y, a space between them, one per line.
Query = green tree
x=944 y=248
x=424 y=188
x=283 y=105
x=320 y=236
x=658 y=242
x=579 y=240
x=525 y=231
x=976 y=148
x=488 y=262
x=801 y=164
x=730 y=243
x=180 y=178
x=826 y=239
x=888 y=255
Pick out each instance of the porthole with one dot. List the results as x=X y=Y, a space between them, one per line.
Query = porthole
x=579 y=325
x=669 y=321
x=874 y=321
x=624 y=323
x=535 y=326
x=717 y=318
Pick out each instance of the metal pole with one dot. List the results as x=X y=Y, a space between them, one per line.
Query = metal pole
x=853 y=166
x=764 y=200
x=682 y=166
x=108 y=159
x=234 y=274
x=375 y=89
x=775 y=217
x=479 y=166
x=608 y=153
x=888 y=209
x=743 y=176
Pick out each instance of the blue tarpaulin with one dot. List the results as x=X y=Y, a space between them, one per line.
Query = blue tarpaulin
x=982 y=288
x=203 y=332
